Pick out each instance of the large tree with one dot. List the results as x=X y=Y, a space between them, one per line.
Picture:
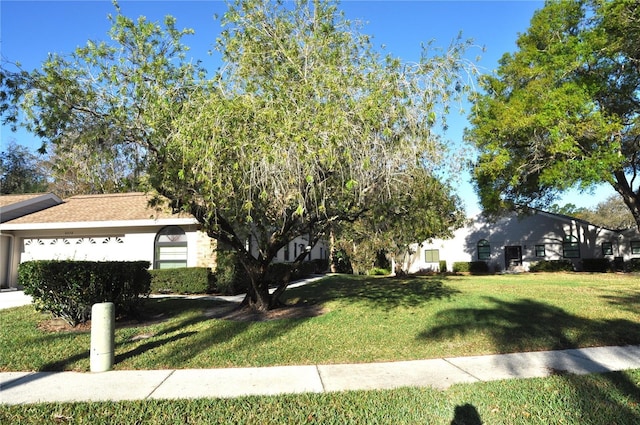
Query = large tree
x=304 y=126
x=563 y=110
x=611 y=213
x=21 y=171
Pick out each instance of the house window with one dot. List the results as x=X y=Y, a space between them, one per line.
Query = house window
x=571 y=247
x=170 y=248
x=635 y=247
x=484 y=250
x=607 y=248
x=540 y=251
x=432 y=256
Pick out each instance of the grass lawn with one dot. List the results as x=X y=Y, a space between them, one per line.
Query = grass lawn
x=612 y=398
x=365 y=319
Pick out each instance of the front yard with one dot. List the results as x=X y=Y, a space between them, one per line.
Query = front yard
x=361 y=319
x=352 y=319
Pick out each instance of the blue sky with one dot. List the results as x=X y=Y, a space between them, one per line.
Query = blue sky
x=32 y=29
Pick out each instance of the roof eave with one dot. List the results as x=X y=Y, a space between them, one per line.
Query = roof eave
x=100 y=224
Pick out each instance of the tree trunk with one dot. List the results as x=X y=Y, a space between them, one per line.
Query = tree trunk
x=332 y=249
x=630 y=198
x=258 y=296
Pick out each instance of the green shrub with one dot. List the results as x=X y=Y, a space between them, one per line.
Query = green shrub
x=460 y=267
x=618 y=264
x=304 y=269
x=633 y=265
x=598 y=265
x=378 y=271
x=341 y=262
x=442 y=266
x=68 y=289
x=473 y=267
x=552 y=266
x=478 y=267
x=230 y=276
x=279 y=273
x=184 y=280
x=321 y=265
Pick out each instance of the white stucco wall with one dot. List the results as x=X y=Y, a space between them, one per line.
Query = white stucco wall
x=118 y=244
x=319 y=251
x=95 y=244
x=525 y=232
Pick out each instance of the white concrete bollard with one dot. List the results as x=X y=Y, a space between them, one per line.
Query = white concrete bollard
x=103 y=320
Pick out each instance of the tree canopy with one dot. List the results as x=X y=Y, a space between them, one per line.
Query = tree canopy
x=21 y=171
x=563 y=110
x=304 y=126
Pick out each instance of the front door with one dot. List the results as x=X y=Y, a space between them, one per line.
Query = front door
x=512 y=256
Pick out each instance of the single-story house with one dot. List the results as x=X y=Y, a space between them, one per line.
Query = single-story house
x=518 y=240
x=113 y=227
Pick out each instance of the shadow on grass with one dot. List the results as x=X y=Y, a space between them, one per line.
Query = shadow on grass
x=613 y=397
x=171 y=332
x=625 y=300
x=466 y=414
x=380 y=292
x=529 y=325
x=217 y=338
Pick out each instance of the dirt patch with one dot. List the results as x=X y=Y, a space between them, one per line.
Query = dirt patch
x=246 y=314
x=59 y=325
x=297 y=311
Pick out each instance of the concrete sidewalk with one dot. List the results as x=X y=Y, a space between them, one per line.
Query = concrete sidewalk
x=13 y=298
x=34 y=387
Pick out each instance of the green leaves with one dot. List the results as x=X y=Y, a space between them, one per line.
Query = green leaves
x=304 y=126
x=557 y=113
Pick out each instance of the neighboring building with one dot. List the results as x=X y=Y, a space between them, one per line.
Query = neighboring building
x=114 y=227
x=517 y=241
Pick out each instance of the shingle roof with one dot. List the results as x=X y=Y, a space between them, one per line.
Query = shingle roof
x=14 y=199
x=88 y=208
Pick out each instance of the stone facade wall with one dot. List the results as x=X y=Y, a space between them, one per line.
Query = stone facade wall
x=206 y=251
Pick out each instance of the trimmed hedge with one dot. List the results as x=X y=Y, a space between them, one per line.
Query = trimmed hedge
x=478 y=267
x=552 y=266
x=442 y=266
x=231 y=276
x=460 y=267
x=473 y=267
x=632 y=265
x=321 y=265
x=287 y=272
x=304 y=269
x=597 y=265
x=279 y=273
x=68 y=289
x=184 y=280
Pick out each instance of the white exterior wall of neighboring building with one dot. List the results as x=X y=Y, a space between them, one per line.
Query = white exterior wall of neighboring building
x=515 y=241
x=300 y=244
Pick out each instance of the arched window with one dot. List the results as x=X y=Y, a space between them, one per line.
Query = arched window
x=570 y=247
x=484 y=250
x=170 y=248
